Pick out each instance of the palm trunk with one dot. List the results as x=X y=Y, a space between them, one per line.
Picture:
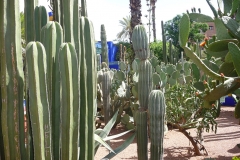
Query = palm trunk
x=135 y=7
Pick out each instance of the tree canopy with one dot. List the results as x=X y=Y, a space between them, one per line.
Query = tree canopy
x=197 y=31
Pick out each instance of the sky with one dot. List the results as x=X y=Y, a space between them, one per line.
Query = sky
x=109 y=12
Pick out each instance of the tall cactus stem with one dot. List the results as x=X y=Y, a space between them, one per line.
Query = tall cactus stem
x=41 y=18
x=106 y=84
x=38 y=103
x=29 y=7
x=52 y=38
x=70 y=101
x=142 y=137
x=12 y=113
x=104 y=45
x=156 y=117
x=88 y=87
x=164 y=44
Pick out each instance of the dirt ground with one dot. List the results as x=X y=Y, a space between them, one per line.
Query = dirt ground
x=222 y=145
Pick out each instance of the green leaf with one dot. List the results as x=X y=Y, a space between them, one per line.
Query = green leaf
x=235 y=53
x=127 y=142
x=100 y=140
x=184 y=28
x=197 y=17
x=117 y=135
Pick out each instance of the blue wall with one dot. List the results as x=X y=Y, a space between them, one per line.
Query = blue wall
x=112 y=51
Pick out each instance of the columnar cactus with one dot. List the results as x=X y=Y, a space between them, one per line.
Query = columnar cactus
x=52 y=38
x=156 y=117
x=29 y=7
x=106 y=84
x=104 y=45
x=141 y=48
x=41 y=18
x=70 y=101
x=164 y=44
x=38 y=103
x=12 y=114
x=142 y=136
x=88 y=88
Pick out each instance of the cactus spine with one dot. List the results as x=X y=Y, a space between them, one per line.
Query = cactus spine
x=141 y=48
x=69 y=101
x=38 y=103
x=104 y=45
x=12 y=114
x=41 y=19
x=52 y=38
x=106 y=84
x=157 y=116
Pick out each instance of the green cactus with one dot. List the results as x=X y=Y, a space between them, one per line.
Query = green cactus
x=144 y=83
x=88 y=88
x=38 y=103
x=104 y=45
x=142 y=137
x=70 y=101
x=141 y=48
x=140 y=43
x=106 y=84
x=157 y=118
x=52 y=38
x=41 y=19
x=164 y=44
x=29 y=7
x=12 y=114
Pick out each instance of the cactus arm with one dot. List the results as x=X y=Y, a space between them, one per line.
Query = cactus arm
x=41 y=19
x=164 y=44
x=12 y=114
x=69 y=101
x=29 y=6
x=201 y=65
x=35 y=104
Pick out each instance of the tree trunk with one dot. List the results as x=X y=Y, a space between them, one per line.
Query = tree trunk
x=135 y=7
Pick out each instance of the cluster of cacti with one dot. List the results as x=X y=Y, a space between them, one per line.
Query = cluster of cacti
x=224 y=46
x=58 y=75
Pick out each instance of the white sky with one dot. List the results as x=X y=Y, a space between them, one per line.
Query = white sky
x=109 y=12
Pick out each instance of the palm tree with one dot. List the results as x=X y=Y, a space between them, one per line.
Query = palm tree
x=135 y=7
x=153 y=5
x=126 y=28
